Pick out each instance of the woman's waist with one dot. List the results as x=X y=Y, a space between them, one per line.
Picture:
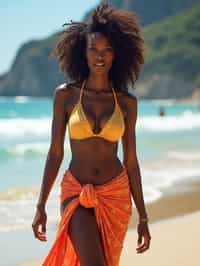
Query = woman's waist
x=91 y=192
x=96 y=172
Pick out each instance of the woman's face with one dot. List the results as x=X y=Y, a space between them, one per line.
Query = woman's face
x=99 y=53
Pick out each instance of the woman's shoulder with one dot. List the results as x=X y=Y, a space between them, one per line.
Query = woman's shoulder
x=66 y=88
x=129 y=97
x=65 y=96
x=127 y=101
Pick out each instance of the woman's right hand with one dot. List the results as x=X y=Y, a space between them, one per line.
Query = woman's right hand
x=40 y=219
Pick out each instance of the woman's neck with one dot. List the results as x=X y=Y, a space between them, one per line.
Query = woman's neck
x=98 y=84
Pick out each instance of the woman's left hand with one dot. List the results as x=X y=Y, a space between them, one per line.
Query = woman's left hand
x=144 y=237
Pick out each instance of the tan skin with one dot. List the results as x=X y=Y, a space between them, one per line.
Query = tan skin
x=87 y=165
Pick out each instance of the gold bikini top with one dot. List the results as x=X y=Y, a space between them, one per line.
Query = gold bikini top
x=79 y=127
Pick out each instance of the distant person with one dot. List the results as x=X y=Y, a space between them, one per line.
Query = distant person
x=162 y=111
x=102 y=57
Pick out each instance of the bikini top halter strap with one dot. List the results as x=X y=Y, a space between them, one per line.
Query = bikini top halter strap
x=83 y=85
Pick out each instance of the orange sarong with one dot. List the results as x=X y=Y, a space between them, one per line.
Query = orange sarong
x=112 y=207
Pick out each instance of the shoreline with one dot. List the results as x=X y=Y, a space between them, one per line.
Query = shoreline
x=178 y=203
x=181 y=198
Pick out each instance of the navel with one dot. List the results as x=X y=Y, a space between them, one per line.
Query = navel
x=96 y=171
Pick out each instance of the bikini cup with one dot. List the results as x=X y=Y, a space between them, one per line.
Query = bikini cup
x=80 y=128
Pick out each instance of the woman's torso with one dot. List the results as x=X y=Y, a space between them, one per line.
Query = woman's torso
x=94 y=160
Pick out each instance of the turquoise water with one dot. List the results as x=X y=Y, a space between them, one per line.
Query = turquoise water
x=168 y=150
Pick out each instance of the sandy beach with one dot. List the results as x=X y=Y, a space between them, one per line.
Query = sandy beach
x=174 y=225
x=174 y=242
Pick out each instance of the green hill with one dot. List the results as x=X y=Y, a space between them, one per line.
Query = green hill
x=32 y=73
x=172 y=54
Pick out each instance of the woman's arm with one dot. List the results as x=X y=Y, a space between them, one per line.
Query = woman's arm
x=131 y=163
x=56 y=150
x=130 y=156
x=53 y=161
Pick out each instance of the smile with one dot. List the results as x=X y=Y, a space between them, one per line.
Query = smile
x=99 y=64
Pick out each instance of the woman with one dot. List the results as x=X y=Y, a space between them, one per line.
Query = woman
x=102 y=56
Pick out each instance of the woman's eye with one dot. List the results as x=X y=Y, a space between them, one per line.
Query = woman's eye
x=109 y=49
x=106 y=50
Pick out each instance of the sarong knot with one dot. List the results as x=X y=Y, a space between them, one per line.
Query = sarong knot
x=88 y=197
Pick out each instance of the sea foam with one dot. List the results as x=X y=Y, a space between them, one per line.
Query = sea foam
x=186 y=121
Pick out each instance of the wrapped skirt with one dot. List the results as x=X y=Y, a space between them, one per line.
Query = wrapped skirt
x=112 y=207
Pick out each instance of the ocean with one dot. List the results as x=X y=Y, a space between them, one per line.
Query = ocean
x=168 y=150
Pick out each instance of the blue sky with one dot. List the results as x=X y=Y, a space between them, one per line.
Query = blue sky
x=23 y=20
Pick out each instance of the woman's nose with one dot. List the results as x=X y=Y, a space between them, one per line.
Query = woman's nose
x=100 y=54
x=99 y=59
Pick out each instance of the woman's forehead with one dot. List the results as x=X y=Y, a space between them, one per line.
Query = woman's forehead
x=96 y=37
